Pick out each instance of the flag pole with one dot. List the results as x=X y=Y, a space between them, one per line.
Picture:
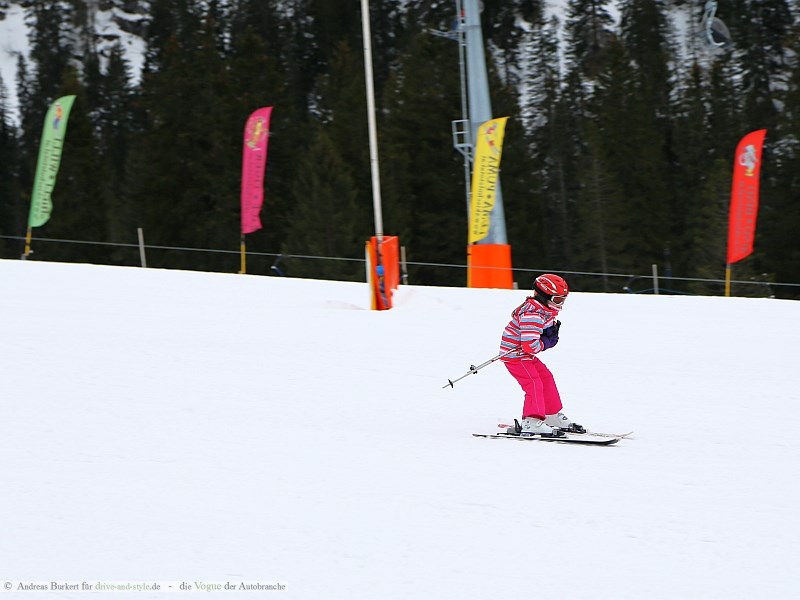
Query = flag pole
x=728 y=280
x=28 y=237
x=243 y=250
x=366 y=33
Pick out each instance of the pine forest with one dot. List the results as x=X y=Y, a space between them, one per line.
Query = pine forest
x=618 y=154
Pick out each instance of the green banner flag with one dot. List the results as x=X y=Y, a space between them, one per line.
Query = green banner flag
x=53 y=133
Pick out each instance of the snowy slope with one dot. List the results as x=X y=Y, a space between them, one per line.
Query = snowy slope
x=168 y=426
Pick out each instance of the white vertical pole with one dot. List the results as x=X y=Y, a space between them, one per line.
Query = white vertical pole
x=655 y=279
x=141 y=247
x=373 y=137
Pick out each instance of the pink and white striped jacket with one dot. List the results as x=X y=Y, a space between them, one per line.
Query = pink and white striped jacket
x=528 y=321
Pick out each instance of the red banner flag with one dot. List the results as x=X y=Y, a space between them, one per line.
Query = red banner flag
x=254 y=161
x=744 y=196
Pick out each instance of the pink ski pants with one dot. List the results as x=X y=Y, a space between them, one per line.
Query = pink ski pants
x=541 y=394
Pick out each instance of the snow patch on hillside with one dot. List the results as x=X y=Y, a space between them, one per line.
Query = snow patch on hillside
x=13 y=44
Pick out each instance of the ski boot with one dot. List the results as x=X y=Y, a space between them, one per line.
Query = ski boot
x=563 y=422
x=533 y=426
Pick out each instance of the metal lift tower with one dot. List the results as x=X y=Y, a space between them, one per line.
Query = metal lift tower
x=489 y=259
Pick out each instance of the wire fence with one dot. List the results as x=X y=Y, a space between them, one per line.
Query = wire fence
x=427 y=273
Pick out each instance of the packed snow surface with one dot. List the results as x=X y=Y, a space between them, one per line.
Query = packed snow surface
x=196 y=428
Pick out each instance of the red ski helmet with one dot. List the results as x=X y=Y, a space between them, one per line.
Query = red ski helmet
x=551 y=290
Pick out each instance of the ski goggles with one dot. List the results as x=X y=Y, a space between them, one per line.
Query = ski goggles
x=557 y=301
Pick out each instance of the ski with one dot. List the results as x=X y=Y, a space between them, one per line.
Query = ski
x=505 y=427
x=575 y=438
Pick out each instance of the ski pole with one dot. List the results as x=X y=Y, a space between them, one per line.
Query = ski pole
x=473 y=370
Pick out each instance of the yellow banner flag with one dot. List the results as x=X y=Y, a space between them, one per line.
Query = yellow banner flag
x=485 y=173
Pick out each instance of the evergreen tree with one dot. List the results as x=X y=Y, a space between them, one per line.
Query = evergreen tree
x=707 y=229
x=762 y=54
x=26 y=147
x=589 y=30
x=260 y=18
x=599 y=213
x=344 y=115
x=171 y=26
x=184 y=166
x=49 y=55
x=724 y=111
x=302 y=55
x=423 y=192
x=12 y=217
x=113 y=120
x=553 y=148
x=324 y=221
x=776 y=249
x=625 y=142
x=389 y=32
x=507 y=26
x=644 y=33
x=566 y=148
x=691 y=142
x=343 y=120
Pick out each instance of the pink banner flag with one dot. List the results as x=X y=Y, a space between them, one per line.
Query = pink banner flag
x=254 y=161
x=744 y=196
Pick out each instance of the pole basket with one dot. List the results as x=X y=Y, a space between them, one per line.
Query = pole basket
x=383 y=270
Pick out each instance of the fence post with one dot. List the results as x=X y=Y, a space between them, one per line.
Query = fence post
x=655 y=279
x=403 y=266
x=142 y=257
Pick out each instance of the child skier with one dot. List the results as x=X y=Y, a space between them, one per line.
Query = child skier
x=533 y=329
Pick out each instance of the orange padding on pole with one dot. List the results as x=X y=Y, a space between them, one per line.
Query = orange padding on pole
x=489 y=266
x=384 y=270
